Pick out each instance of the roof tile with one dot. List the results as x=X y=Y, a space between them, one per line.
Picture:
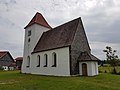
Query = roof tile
x=60 y=36
x=86 y=56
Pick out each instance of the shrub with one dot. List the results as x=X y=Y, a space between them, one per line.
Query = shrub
x=100 y=71
x=114 y=71
x=105 y=71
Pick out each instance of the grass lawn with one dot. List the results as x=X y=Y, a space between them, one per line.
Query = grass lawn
x=13 y=80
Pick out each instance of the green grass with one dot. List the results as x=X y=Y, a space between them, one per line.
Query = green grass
x=13 y=80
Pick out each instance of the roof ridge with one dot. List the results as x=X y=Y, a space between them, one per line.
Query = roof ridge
x=4 y=51
x=63 y=24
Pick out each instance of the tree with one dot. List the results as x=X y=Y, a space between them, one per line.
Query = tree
x=112 y=59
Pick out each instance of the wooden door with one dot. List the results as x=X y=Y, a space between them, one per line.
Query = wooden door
x=84 y=69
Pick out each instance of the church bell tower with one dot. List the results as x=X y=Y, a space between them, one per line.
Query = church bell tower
x=33 y=32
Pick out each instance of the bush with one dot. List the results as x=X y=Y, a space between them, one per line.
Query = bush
x=118 y=73
x=100 y=71
x=114 y=71
x=105 y=71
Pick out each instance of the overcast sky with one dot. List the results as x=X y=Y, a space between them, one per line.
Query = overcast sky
x=101 y=19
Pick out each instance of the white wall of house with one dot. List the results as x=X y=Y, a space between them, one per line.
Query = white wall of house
x=92 y=68
x=36 y=32
x=62 y=68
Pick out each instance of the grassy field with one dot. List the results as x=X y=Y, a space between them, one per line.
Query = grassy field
x=13 y=80
x=109 y=69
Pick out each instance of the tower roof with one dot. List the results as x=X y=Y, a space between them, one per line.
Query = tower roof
x=38 y=19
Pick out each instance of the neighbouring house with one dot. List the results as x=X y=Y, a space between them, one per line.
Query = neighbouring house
x=12 y=66
x=19 y=61
x=6 y=60
x=60 y=51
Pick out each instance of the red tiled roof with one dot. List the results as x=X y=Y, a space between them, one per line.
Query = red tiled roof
x=3 y=53
x=19 y=59
x=38 y=19
x=58 y=37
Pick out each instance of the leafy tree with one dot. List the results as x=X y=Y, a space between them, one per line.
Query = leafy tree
x=112 y=59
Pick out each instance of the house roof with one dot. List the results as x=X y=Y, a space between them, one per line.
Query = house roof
x=3 y=53
x=12 y=65
x=58 y=37
x=38 y=19
x=19 y=59
x=86 y=56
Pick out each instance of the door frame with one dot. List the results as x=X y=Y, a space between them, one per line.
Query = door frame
x=84 y=69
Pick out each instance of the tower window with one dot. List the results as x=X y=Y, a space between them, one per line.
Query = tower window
x=29 y=33
x=29 y=40
x=28 y=61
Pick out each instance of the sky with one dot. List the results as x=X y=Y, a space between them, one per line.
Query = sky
x=101 y=20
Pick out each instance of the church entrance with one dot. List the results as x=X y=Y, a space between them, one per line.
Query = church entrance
x=84 y=69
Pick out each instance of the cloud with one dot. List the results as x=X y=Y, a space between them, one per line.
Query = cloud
x=100 y=18
x=98 y=47
x=6 y=5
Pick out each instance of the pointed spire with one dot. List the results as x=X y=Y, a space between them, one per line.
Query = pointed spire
x=38 y=19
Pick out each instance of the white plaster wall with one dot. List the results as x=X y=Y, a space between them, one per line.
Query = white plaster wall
x=63 y=65
x=36 y=32
x=92 y=68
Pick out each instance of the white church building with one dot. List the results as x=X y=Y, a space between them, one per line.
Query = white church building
x=60 y=51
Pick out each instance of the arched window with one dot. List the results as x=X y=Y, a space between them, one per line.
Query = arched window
x=45 y=60
x=28 y=61
x=54 y=60
x=38 y=61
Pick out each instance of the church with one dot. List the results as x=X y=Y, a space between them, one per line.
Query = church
x=60 y=51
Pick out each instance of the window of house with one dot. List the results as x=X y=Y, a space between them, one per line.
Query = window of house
x=29 y=33
x=45 y=60
x=38 y=61
x=54 y=60
x=28 y=61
